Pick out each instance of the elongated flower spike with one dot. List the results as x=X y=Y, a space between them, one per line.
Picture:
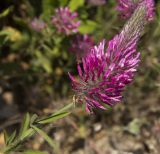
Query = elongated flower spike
x=127 y=7
x=65 y=21
x=103 y=75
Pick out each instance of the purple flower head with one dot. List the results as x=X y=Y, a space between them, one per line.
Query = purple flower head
x=105 y=72
x=37 y=24
x=97 y=2
x=81 y=45
x=127 y=7
x=65 y=21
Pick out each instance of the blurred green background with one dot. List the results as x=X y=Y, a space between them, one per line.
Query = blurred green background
x=34 y=70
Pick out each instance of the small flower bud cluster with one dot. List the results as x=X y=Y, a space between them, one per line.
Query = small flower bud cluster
x=37 y=24
x=65 y=21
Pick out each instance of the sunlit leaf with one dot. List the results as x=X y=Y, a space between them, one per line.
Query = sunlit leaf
x=87 y=27
x=6 y=12
x=75 y=4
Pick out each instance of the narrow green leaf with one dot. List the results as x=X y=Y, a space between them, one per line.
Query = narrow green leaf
x=6 y=137
x=6 y=12
x=25 y=125
x=45 y=136
x=75 y=4
x=11 y=138
x=53 y=118
x=65 y=108
x=28 y=133
x=33 y=118
x=57 y=115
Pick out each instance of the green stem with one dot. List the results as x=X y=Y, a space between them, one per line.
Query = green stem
x=34 y=125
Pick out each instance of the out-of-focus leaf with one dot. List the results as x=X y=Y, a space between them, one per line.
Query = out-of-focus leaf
x=6 y=12
x=25 y=124
x=83 y=14
x=87 y=27
x=45 y=136
x=34 y=152
x=53 y=118
x=11 y=34
x=75 y=4
x=48 y=7
x=63 y=2
x=22 y=23
x=44 y=62
x=134 y=126
x=5 y=35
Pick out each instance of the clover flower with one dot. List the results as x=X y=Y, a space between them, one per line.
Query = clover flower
x=37 y=24
x=97 y=2
x=104 y=73
x=81 y=45
x=127 y=7
x=65 y=21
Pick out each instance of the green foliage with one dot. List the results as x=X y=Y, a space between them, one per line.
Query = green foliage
x=57 y=115
x=53 y=118
x=45 y=52
x=87 y=27
x=9 y=139
x=63 y=2
x=6 y=12
x=25 y=125
x=74 y=5
x=30 y=126
x=48 y=7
